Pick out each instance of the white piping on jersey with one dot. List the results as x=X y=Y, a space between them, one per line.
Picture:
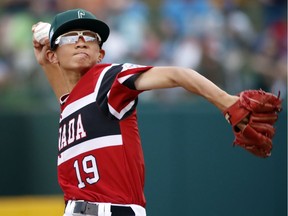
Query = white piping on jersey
x=99 y=81
x=73 y=107
x=89 y=145
x=120 y=114
x=123 y=79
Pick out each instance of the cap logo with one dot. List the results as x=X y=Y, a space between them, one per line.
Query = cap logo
x=81 y=14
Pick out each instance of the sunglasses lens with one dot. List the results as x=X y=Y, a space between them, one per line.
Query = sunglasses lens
x=73 y=36
x=89 y=38
x=68 y=40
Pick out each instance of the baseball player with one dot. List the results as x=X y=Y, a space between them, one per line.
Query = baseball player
x=100 y=160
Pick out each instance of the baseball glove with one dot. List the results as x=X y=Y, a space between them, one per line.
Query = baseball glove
x=252 y=118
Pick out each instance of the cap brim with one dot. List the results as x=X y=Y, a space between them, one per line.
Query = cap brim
x=86 y=24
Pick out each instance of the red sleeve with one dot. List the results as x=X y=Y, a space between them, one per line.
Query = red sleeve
x=122 y=99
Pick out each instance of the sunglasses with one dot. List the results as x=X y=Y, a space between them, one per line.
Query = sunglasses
x=72 y=37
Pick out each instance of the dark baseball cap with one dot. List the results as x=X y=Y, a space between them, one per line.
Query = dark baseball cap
x=77 y=19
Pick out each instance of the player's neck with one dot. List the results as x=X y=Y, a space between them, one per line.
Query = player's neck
x=71 y=78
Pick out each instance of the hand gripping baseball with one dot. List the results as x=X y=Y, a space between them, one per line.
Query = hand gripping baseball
x=252 y=118
x=41 y=32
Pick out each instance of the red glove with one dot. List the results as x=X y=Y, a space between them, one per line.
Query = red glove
x=252 y=118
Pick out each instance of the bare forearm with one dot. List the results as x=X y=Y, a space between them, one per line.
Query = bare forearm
x=55 y=79
x=198 y=84
x=169 y=77
x=52 y=71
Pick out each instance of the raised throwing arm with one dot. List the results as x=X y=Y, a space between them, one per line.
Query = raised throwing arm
x=52 y=71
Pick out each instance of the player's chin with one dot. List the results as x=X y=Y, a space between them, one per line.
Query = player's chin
x=84 y=60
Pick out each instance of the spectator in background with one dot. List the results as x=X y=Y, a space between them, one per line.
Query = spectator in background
x=270 y=59
x=129 y=24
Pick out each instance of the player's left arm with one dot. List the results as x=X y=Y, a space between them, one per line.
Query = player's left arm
x=192 y=81
x=252 y=115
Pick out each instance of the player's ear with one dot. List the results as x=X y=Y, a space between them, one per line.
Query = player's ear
x=52 y=57
x=101 y=55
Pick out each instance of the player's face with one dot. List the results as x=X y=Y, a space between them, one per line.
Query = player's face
x=78 y=50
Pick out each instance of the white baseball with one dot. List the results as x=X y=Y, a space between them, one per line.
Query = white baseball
x=41 y=32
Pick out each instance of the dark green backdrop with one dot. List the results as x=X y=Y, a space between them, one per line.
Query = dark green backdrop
x=191 y=166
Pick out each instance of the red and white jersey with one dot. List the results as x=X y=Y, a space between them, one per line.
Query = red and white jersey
x=100 y=155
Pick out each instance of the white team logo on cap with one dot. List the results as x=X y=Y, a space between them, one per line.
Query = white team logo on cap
x=81 y=14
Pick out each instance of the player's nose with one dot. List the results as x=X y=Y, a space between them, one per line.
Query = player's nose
x=81 y=41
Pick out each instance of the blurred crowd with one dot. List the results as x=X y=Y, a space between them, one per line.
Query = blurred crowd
x=237 y=44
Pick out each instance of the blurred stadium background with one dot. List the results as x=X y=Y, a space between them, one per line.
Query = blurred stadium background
x=192 y=168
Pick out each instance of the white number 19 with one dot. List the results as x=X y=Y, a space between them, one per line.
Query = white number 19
x=89 y=167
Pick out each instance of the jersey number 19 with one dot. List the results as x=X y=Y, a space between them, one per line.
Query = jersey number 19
x=89 y=166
